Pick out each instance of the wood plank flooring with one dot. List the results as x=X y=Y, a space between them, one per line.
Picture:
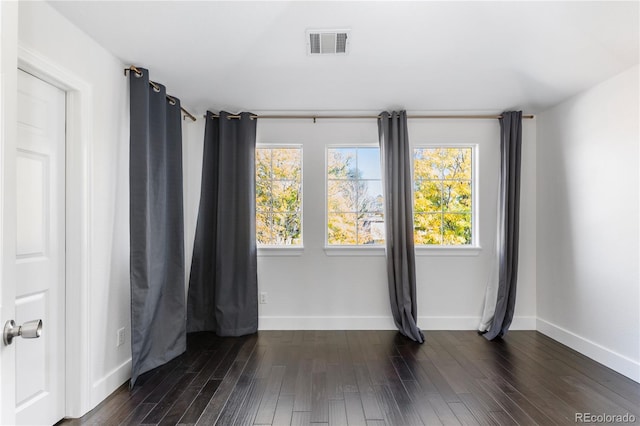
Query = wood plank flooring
x=370 y=378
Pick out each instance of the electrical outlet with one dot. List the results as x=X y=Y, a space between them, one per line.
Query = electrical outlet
x=263 y=297
x=120 y=339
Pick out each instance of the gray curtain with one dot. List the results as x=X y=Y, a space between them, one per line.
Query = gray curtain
x=156 y=227
x=396 y=156
x=500 y=298
x=223 y=285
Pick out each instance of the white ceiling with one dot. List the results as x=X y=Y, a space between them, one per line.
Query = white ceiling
x=421 y=56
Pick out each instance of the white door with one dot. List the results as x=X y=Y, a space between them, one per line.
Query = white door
x=40 y=250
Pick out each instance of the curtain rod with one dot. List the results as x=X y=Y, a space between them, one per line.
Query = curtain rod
x=314 y=117
x=156 y=87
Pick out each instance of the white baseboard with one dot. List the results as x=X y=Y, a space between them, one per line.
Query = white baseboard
x=103 y=387
x=379 y=323
x=470 y=323
x=325 y=323
x=617 y=362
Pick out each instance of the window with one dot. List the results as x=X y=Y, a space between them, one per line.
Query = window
x=354 y=196
x=443 y=186
x=279 y=196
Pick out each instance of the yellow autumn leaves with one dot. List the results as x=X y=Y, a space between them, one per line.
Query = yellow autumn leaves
x=354 y=196
x=279 y=196
x=442 y=196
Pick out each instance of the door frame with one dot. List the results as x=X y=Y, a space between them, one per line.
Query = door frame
x=8 y=132
x=77 y=224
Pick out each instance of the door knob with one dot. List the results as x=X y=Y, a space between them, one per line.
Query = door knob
x=28 y=330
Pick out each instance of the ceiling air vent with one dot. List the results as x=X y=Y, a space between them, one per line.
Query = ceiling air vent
x=327 y=42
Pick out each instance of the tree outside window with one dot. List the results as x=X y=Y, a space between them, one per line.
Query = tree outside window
x=279 y=196
x=443 y=196
x=354 y=196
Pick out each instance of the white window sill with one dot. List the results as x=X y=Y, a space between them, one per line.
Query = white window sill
x=266 y=251
x=448 y=250
x=354 y=250
x=420 y=251
x=273 y=251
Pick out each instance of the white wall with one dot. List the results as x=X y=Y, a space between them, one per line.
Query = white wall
x=317 y=291
x=588 y=223
x=44 y=32
x=193 y=142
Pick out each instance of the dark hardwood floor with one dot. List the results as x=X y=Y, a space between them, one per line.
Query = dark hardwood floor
x=371 y=378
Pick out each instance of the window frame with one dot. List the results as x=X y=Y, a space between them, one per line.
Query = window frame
x=283 y=249
x=474 y=248
x=347 y=249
